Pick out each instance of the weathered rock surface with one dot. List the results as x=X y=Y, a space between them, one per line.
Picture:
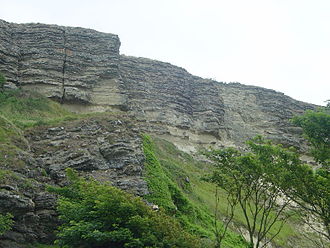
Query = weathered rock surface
x=161 y=93
x=33 y=210
x=64 y=63
x=82 y=69
x=251 y=110
x=190 y=111
x=107 y=148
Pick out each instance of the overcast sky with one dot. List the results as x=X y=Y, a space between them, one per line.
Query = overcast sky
x=278 y=44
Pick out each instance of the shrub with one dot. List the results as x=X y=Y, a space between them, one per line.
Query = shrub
x=6 y=222
x=99 y=215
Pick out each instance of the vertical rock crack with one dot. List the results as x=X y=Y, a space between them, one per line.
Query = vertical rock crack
x=64 y=65
x=18 y=58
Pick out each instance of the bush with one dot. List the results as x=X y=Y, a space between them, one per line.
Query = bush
x=99 y=215
x=6 y=222
x=316 y=128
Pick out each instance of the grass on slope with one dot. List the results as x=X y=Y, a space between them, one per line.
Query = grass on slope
x=172 y=186
x=27 y=109
x=20 y=110
x=166 y=165
x=173 y=176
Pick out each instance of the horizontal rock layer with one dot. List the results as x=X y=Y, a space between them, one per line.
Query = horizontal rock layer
x=83 y=69
x=69 y=64
x=190 y=110
x=106 y=148
x=159 y=92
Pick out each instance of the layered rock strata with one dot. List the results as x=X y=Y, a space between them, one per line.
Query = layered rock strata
x=64 y=63
x=83 y=69
x=107 y=148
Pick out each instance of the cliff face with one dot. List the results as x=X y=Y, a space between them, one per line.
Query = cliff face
x=68 y=64
x=170 y=99
x=108 y=149
x=190 y=110
x=83 y=70
x=79 y=66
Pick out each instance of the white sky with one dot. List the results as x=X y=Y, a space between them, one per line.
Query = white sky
x=278 y=44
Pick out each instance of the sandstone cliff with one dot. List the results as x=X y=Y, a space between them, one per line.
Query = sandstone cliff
x=83 y=70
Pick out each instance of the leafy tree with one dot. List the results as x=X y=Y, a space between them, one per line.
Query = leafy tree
x=6 y=222
x=256 y=181
x=312 y=190
x=99 y=215
x=221 y=231
x=312 y=193
x=316 y=128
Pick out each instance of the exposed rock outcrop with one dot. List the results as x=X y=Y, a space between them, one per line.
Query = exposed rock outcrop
x=251 y=110
x=64 y=63
x=161 y=93
x=107 y=148
x=83 y=70
x=190 y=111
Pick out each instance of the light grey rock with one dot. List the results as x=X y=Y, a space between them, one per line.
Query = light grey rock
x=162 y=93
x=251 y=111
x=64 y=63
x=83 y=70
x=89 y=146
x=83 y=67
x=15 y=203
x=188 y=110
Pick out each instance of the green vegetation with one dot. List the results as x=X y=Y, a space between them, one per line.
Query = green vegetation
x=312 y=191
x=178 y=166
x=27 y=109
x=6 y=222
x=174 y=179
x=8 y=177
x=255 y=182
x=21 y=110
x=99 y=215
x=316 y=128
x=38 y=245
x=193 y=212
